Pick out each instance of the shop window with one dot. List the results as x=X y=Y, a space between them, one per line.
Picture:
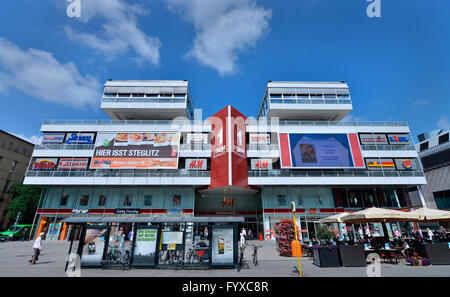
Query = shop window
x=176 y=201
x=442 y=199
x=128 y=200
x=84 y=200
x=64 y=199
x=148 y=200
x=369 y=198
x=355 y=199
x=101 y=200
x=281 y=200
x=391 y=198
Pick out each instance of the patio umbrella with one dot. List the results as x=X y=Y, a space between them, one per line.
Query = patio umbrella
x=334 y=218
x=380 y=215
x=431 y=215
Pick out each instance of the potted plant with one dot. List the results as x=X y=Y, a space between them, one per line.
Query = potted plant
x=286 y=234
x=326 y=255
x=417 y=260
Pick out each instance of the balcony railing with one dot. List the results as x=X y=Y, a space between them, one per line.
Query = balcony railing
x=310 y=101
x=336 y=123
x=125 y=122
x=63 y=146
x=118 y=173
x=328 y=173
x=275 y=147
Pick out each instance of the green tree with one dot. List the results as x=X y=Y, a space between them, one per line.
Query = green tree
x=25 y=199
x=324 y=234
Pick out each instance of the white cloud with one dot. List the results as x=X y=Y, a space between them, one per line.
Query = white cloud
x=120 y=32
x=443 y=123
x=224 y=28
x=420 y=102
x=34 y=139
x=39 y=74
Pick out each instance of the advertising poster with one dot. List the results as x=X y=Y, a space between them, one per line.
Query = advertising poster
x=222 y=246
x=80 y=138
x=197 y=138
x=53 y=138
x=259 y=138
x=45 y=163
x=368 y=138
x=72 y=163
x=399 y=139
x=406 y=164
x=155 y=150
x=172 y=237
x=94 y=244
x=321 y=151
x=145 y=247
x=379 y=164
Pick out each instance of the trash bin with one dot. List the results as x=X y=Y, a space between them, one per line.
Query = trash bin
x=294 y=249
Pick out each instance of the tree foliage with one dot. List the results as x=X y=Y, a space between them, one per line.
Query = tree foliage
x=324 y=234
x=25 y=199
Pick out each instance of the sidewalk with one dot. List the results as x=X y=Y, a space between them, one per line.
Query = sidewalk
x=14 y=262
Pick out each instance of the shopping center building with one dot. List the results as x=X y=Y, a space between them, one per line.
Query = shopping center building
x=157 y=156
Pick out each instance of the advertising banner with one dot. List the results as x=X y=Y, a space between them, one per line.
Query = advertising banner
x=145 y=246
x=378 y=164
x=45 y=163
x=320 y=151
x=172 y=237
x=399 y=139
x=259 y=138
x=80 y=138
x=193 y=138
x=155 y=150
x=261 y=164
x=406 y=164
x=222 y=246
x=53 y=138
x=368 y=138
x=196 y=164
x=94 y=244
x=72 y=163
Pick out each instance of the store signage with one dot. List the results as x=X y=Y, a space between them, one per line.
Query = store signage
x=366 y=138
x=261 y=164
x=155 y=150
x=259 y=138
x=228 y=149
x=73 y=163
x=399 y=139
x=380 y=163
x=406 y=164
x=127 y=211
x=80 y=211
x=53 y=138
x=193 y=138
x=196 y=164
x=298 y=150
x=45 y=163
x=80 y=138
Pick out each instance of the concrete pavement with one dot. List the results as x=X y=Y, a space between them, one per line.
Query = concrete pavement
x=14 y=262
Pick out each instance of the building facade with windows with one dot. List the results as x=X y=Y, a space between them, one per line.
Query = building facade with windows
x=434 y=152
x=15 y=154
x=157 y=156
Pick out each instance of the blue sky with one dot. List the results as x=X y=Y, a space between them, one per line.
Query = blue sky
x=53 y=66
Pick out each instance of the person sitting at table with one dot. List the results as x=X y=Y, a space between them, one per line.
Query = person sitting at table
x=405 y=247
x=430 y=234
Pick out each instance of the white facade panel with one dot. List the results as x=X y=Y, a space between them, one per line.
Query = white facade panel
x=336 y=181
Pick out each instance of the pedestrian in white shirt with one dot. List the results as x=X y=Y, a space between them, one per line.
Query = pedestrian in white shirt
x=37 y=248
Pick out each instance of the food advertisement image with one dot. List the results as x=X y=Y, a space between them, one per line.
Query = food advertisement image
x=153 y=150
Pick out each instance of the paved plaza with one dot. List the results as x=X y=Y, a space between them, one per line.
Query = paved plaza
x=14 y=262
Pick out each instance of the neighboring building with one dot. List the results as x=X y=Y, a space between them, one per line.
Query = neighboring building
x=148 y=161
x=434 y=153
x=15 y=155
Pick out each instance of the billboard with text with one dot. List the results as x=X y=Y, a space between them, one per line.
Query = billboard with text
x=153 y=150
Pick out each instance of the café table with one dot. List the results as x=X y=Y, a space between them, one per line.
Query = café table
x=395 y=251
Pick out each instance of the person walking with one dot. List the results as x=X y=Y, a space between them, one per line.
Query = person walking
x=37 y=248
x=250 y=234
x=361 y=234
x=242 y=237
